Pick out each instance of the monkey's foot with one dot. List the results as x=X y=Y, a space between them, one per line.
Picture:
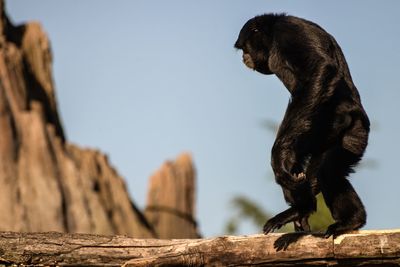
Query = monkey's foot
x=332 y=231
x=338 y=228
x=271 y=225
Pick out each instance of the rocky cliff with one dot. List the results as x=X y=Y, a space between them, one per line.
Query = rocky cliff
x=46 y=183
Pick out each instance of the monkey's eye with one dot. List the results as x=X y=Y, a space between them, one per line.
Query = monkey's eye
x=255 y=30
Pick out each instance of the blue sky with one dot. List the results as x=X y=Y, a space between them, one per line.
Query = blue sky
x=146 y=80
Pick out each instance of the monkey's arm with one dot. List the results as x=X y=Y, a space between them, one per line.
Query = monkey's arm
x=305 y=60
x=312 y=104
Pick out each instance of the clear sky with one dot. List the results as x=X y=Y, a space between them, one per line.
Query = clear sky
x=146 y=80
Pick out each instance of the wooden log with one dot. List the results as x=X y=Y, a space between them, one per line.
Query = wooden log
x=361 y=248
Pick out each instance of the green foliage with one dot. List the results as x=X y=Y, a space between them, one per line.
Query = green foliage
x=246 y=209
x=322 y=218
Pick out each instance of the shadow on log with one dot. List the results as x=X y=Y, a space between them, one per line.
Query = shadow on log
x=362 y=248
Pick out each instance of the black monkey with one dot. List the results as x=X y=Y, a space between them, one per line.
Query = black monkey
x=324 y=132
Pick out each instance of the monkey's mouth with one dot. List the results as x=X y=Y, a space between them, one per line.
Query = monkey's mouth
x=248 y=61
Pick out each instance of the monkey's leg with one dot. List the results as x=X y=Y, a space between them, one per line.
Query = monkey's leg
x=302 y=225
x=340 y=196
x=302 y=202
x=289 y=215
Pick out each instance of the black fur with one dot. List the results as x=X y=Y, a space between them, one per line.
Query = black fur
x=324 y=132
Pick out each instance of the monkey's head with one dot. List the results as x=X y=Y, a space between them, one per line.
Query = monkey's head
x=255 y=40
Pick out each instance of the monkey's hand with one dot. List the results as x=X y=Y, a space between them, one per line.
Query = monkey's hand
x=288 y=168
x=298 y=173
x=299 y=177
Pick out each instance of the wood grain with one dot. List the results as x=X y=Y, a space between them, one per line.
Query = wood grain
x=362 y=248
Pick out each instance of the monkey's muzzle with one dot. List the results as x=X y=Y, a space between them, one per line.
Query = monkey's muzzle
x=248 y=61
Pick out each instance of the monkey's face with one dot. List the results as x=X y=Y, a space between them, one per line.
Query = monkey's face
x=255 y=46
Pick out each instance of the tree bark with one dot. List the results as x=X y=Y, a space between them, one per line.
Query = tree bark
x=361 y=248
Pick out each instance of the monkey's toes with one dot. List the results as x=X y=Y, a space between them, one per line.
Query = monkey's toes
x=270 y=226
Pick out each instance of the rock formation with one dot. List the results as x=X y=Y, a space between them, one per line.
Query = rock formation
x=171 y=199
x=46 y=183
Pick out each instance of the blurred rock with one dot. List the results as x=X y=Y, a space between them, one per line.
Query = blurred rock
x=171 y=199
x=47 y=184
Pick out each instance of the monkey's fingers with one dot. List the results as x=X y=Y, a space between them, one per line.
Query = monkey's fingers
x=300 y=176
x=329 y=233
